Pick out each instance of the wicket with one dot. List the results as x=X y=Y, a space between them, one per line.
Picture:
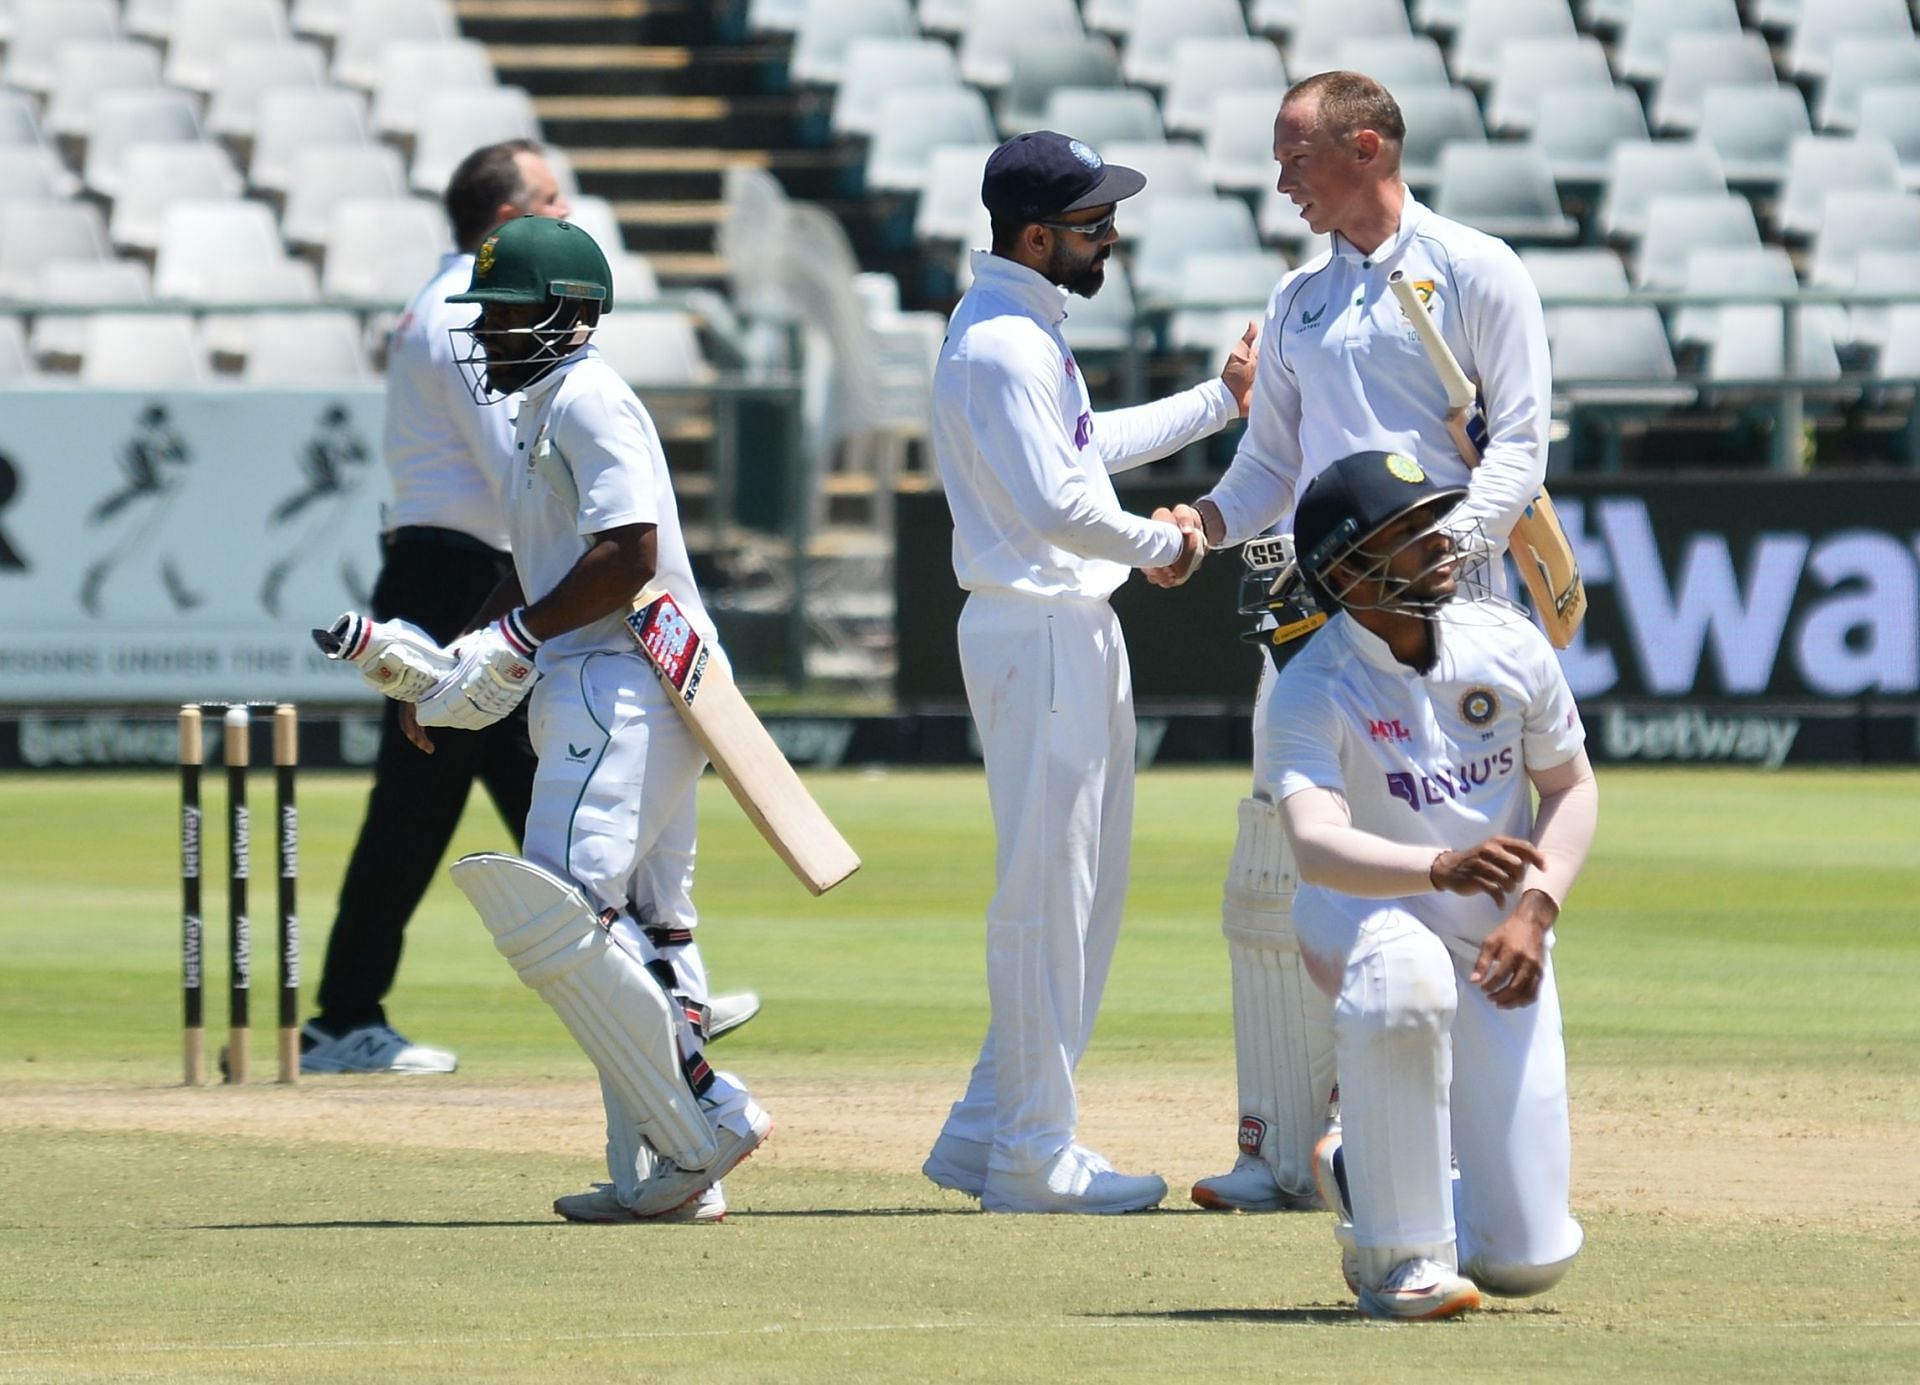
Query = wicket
x=237 y=726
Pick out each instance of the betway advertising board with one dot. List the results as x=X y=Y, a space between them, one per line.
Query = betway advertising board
x=179 y=546
x=1752 y=620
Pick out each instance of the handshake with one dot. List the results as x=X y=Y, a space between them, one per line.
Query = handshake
x=1193 y=547
x=472 y=683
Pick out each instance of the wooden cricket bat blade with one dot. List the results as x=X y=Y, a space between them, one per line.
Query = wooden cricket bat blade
x=736 y=742
x=1545 y=558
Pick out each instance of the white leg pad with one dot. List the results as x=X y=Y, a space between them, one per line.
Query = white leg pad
x=613 y=1008
x=1516 y=1281
x=1282 y=1023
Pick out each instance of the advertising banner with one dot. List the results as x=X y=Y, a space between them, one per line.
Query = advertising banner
x=178 y=546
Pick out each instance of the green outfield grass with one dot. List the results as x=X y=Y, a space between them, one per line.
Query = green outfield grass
x=1739 y=972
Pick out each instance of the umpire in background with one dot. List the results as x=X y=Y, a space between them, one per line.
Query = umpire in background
x=444 y=548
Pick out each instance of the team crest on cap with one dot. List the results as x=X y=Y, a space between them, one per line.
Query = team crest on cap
x=483 y=257
x=1403 y=468
x=1478 y=706
x=1084 y=154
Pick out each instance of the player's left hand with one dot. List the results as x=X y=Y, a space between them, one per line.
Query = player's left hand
x=1187 y=520
x=1514 y=957
x=1238 y=371
x=494 y=673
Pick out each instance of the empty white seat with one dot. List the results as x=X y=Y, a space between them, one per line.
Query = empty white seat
x=1899 y=357
x=1578 y=128
x=1752 y=269
x=203 y=242
x=383 y=249
x=124 y=118
x=1239 y=141
x=1505 y=190
x=70 y=283
x=253 y=287
x=1159 y=24
x=1273 y=16
x=413 y=69
x=653 y=347
x=325 y=175
x=878 y=67
x=36 y=234
x=1110 y=16
x=41 y=26
x=1039 y=67
x=1490 y=24
x=912 y=123
x=142 y=350
x=1653 y=24
x=1862 y=63
x=1637 y=173
x=1101 y=115
x=1699 y=62
x=1821 y=164
x=1205 y=68
x=202 y=28
x=1853 y=223
x=1752 y=129
x=1399 y=62
x=950 y=208
x=1821 y=26
x=634 y=279
x=19 y=119
x=251 y=68
x=1615 y=345
x=1325 y=25
x=321 y=18
x=995 y=27
x=1172 y=170
x=305 y=349
x=596 y=216
x=32 y=174
x=1218 y=294
x=1585 y=273
x=455 y=123
x=155 y=176
x=1748 y=341
x=149 y=19
x=1885 y=271
x=1680 y=224
x=1176 y=227
x=370 y=25
x=1529 y=67
x=1436 y=117
x=85 y=68
x=828 y=26
x=935 y=16
x=1893 y=114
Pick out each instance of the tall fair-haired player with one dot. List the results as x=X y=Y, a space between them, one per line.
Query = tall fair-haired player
x=1341 y=369
x=592 y=519
x=1403 y=744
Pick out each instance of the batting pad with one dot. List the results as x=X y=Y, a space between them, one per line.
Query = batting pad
x=613 y=1008
x=1282 y=1024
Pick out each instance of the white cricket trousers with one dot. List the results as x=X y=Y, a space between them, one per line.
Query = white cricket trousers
x=1430 y=1066
x=1052 y=697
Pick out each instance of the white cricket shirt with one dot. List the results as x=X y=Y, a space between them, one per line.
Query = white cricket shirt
x=445 y=454
x=1342 y=371
x=587 y=459
x=1025 y=461
x=1438 y=760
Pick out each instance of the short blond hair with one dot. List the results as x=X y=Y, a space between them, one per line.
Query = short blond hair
x=1349 y=102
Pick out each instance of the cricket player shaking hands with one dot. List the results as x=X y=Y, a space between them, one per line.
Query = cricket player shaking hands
x=1404 y=744
x=592 y=519
x=1040 y=542
x=1342 y=369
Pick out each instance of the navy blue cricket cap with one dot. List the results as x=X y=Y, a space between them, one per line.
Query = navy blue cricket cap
x=1354 y=497
x=1044 y=173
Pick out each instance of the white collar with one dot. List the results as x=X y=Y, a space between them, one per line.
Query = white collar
x=1412 y=213
x=537 y=392
x=1045 y=299
x=1375 y=650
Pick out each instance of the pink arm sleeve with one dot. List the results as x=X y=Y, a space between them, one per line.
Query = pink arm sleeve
x=1331 y=851
x=1564 y=826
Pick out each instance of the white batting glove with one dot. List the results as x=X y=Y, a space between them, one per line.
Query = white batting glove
x=396 y=658
x=494 y=673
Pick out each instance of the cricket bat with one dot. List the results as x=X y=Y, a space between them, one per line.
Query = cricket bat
x=748 y=761
x=1538 y=543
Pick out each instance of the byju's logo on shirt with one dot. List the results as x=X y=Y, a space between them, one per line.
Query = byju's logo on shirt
x=1444 y=784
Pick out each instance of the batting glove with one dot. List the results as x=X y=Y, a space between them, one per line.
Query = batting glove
x=396 y=658
x=494 y=673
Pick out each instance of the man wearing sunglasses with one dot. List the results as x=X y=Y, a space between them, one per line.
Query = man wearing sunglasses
x=1040 y=542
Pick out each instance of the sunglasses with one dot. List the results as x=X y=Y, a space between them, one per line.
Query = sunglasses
x=1092 y=230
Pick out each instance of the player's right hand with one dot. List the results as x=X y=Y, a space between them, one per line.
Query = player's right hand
x=396 y=658
x=494 y=673
x=1494 y=868
x=1193 y=546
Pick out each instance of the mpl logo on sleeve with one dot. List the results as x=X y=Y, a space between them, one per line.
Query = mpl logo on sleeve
x=668 y=639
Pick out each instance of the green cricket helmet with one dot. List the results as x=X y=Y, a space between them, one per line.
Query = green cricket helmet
x=541 y=284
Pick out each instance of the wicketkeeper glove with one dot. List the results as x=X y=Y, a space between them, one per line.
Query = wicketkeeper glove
x=396 y=657
x=495 y=671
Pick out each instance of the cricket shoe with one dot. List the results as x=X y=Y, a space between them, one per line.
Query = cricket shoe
x=602 y=1207
x=370 y=1048
x=1075 y=1180
x=726 y=1013
x=958 y=1165
x=1330 y=1178
x=735 y=1136
x=1419 y=1291
x=1249 y=1186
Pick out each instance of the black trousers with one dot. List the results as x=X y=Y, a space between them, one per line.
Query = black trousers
x=437 y=579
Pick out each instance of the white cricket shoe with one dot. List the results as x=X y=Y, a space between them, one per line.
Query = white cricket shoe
x=958 y=1165
x=1075 y=1180
x=726 y=1013
x=601 y=1206
x=737 y=1136
x=1249 y=1186
x=1419 y=1291
x=370 y=1048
